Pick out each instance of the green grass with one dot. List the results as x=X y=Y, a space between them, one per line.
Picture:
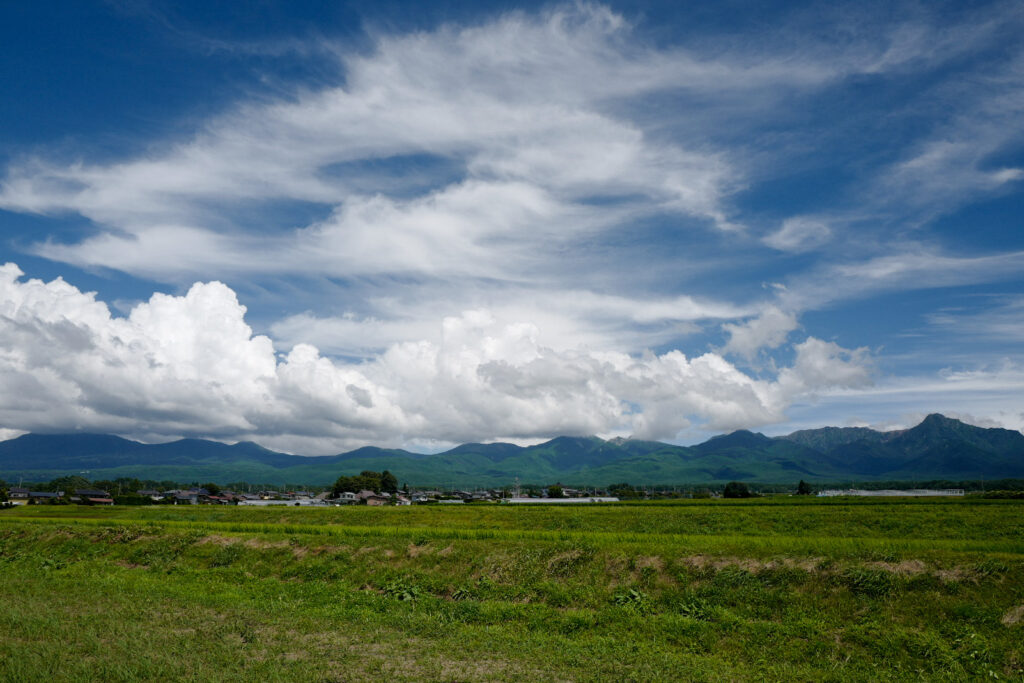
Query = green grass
x=756 y=590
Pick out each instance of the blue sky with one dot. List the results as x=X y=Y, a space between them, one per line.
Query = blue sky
x=320 y=225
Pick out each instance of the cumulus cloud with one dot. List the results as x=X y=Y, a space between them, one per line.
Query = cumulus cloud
x=563 y=318
x=768 y=330
x=191 y=365
x=821 y=365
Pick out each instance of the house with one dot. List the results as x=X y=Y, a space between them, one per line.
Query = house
x=372 y=498
x=402 y=500
x=346 y=498
x=152 y=495
x=91 y=493
x=99 y=501
x=214 y=500
x=16 y=492
x=45 y=496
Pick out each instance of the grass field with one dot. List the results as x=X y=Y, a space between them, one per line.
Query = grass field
x=776 y=589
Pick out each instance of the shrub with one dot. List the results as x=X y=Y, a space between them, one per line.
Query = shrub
x=634 y=599
x=401 y=589
x=736 y=489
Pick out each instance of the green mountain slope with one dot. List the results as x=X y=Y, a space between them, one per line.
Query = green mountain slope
x=937 y=448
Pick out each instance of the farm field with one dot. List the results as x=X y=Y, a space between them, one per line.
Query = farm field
x=773 y=589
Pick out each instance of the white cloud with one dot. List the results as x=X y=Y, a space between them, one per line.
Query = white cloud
x=986 y=396
x=825 y=365
x=908 y=266
x=533 y=117
x=190 y=365
x=1003 y=321
x=799 y=234
x=520 y=109
x=768 y=330
x=564 y=318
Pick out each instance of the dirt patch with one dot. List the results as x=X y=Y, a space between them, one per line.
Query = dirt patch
x=653 y=562
x=389 y=553
x=719 y=563
x=906 y=568
x=363 y=551
x=214 y=539
x=952 y=575
x=445 y=552
x=259 y=544
x=416 y=550
x=415 y=660
x=1014 y=616
x=562 y=562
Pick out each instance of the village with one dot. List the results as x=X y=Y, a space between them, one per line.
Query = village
x=212 y=495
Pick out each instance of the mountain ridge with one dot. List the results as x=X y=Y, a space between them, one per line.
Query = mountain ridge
x=937 y=448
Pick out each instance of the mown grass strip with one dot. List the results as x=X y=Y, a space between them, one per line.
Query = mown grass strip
x=777 y=544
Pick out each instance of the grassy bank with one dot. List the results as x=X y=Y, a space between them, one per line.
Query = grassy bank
x=811 y=592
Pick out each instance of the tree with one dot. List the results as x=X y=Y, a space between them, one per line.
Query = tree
x=212 y=488
x=623 y=490
x=555 y=491
x=736 y=489
x=804 y=489
x=68 y=484
x=367 y=479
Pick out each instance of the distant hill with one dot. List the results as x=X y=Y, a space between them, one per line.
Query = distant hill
x=938 y=448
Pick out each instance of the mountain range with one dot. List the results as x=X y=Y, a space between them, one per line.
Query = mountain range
x=937 y=448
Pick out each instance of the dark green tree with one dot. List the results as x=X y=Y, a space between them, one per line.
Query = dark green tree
x=623 y=490
x=68 y=484
x=367 y=479
x=107 y=485
x=555 y=491
x=804 y=489
x=212 y=488
x=736 y=489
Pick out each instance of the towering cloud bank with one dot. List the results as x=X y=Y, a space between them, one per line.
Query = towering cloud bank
x=191 y=365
